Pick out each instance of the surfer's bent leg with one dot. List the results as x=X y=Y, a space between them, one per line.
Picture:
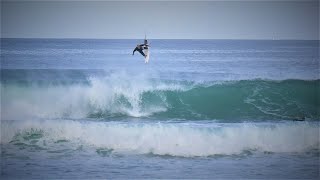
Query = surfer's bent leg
x=141 y=52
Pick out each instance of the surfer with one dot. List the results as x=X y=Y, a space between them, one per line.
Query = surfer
x=141 y=47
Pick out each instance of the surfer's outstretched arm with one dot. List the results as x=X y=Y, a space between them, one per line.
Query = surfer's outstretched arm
x=134 y=51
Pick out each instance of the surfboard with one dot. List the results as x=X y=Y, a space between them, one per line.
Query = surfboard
x=146 y=52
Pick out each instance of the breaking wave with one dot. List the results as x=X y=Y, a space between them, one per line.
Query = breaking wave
x=72 y=94
x=123 y=95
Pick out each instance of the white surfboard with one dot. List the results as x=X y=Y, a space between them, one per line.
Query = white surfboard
x=147 y=53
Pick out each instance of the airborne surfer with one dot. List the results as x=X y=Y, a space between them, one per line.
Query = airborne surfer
x=141 y=47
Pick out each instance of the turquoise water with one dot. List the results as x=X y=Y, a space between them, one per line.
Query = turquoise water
x=73 y=108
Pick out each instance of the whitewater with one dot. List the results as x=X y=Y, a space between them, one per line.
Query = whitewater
x=86 y=108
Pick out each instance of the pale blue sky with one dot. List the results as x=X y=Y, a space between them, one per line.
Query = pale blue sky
x=161 y=20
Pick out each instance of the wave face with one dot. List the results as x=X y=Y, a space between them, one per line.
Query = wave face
x=123 y=95
x=190 y=139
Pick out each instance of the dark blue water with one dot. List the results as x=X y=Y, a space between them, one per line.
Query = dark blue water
x=73 y=108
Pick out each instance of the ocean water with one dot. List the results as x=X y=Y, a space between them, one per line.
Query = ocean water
x=80 y=108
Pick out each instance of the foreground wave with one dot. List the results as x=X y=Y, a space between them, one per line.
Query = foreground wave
x=120 y=95
x=190 y=139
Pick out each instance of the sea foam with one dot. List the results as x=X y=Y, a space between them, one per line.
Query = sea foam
x=117 y=94
x=176 y=139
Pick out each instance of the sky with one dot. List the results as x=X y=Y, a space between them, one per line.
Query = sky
x=250 y=19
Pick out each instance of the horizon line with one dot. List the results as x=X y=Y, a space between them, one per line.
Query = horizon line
x=275 y=39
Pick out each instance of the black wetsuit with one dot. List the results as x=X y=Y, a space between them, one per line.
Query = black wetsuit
x=140 y=49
